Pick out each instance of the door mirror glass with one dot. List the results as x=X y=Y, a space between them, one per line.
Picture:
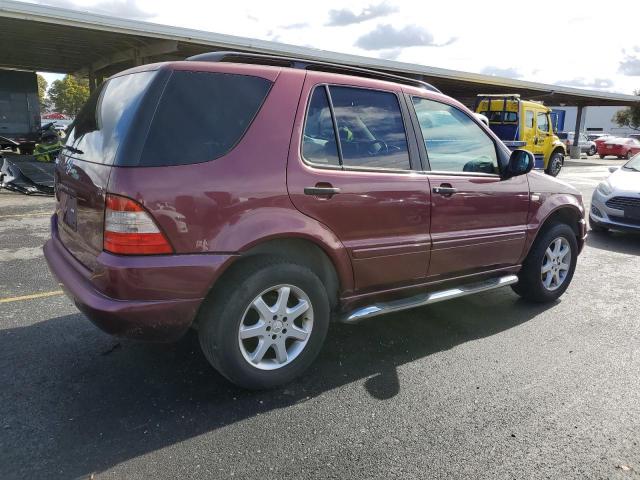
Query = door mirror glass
x=520 y=163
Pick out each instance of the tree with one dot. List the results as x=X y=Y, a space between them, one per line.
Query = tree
x=42 y=92
x=630 y=116
x=69 y=94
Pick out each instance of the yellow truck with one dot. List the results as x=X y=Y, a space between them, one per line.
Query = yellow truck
x=524 y=124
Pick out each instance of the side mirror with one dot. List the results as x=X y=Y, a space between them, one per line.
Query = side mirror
x=521 y=162
x=613 y=169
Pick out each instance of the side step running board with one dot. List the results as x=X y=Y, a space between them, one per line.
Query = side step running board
x=371 y=311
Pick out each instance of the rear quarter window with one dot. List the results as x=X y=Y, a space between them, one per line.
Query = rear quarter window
x=201 y=116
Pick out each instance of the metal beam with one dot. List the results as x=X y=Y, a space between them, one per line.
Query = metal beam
x=160 y=47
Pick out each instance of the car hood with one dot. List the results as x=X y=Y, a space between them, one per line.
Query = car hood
x=626 y=180
x=543 y=183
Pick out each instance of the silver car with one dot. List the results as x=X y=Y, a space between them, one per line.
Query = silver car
x=586 y=146
x=616 y=202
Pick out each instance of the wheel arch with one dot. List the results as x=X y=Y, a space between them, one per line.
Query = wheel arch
x=567 y=213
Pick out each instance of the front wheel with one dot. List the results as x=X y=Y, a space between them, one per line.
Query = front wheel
x=601 y=156
x=555 y=164
x=592 y=151
x=548 y=269
x=266 y=324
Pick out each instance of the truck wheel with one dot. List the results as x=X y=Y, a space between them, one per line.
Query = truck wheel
x=266 y=324
x=555 y=164
x=548 y=269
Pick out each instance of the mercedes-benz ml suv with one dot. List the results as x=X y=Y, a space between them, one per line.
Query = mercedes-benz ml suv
x=258 y=199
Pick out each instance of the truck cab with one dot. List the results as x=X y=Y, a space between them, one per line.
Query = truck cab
x=524 y=124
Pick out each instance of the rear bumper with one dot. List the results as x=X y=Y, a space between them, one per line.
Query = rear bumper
x=157 y=315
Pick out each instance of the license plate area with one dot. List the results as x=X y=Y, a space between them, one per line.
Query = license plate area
x=632 y=213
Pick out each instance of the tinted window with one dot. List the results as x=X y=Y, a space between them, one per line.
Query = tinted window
x=104 y=120
x=319 y=140
x=528 y=119
x=370 y=128
x=543 y=123
x=454 y=142
x=201 y=116
x=501 y=117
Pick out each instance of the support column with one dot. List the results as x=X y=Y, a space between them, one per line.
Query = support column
x=575 y=149
x=92 y=81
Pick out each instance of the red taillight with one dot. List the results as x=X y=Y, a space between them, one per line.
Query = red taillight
x=130 y=230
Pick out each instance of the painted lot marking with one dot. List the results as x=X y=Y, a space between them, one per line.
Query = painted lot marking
x=31 y=297
x=38 y=214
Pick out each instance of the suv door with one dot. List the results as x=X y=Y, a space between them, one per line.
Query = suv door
x=478 y=220
x=350 y=168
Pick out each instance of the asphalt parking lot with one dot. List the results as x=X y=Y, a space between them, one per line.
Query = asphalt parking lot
x=480 y=387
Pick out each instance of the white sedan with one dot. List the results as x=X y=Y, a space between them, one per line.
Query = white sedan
x=616 y=202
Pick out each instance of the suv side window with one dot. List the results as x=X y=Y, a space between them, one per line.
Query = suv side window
x=454 y=142
x=319 y=145
x=370 y=128
x=543 y=123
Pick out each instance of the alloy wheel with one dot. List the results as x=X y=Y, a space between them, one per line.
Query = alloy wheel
x=556 y=264
x=275 y=327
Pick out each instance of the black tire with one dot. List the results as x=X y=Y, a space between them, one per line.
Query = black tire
x=601 y=156
x=592 y=151
x=596 y=227
x=530 y=285
x=555 y=164
x=220 y=317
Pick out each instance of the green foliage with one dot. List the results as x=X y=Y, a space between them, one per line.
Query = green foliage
x=630 y=116
x=69 y=94
x=42 y=91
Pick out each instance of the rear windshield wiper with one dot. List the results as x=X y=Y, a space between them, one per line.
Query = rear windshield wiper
x=73 y=149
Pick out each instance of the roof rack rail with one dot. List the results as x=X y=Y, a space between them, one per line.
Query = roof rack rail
x=304 y=64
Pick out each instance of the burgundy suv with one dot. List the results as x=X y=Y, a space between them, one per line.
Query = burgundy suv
x=258 y=202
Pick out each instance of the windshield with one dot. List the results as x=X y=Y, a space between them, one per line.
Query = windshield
x=633 y=164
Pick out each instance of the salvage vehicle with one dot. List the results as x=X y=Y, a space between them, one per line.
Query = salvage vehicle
x=311 y=192
x=619 y=147
x=586 y=146
x=615 y=203
x=19 y=109
x=524 y=124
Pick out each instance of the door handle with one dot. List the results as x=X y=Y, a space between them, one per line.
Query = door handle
x=321 y=191
x=444 y=190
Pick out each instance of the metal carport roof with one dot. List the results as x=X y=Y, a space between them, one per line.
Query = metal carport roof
x=44 y=38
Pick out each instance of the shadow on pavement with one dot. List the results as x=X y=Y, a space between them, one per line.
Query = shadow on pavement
x=77 y=401
x=619 y=242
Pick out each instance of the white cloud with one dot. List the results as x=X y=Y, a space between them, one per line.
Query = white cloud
x=535 y=54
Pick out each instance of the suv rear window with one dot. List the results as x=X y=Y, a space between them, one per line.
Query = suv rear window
x=103 y=121
x=201 y=116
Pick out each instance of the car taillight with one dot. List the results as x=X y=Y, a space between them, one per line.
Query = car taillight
x=130 y=230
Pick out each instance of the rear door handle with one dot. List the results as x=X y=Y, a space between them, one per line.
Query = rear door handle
x=321 y=190
x=445 y=191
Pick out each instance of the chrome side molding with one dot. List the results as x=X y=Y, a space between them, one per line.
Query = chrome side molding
x=420 y=300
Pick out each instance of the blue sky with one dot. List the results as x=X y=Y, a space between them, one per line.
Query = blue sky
x=573 y=45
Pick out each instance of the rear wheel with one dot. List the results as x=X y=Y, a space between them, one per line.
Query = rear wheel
x=548 y=269
x=601 y=156
x=592 y=151
x=555 y=164
x=266 y=325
